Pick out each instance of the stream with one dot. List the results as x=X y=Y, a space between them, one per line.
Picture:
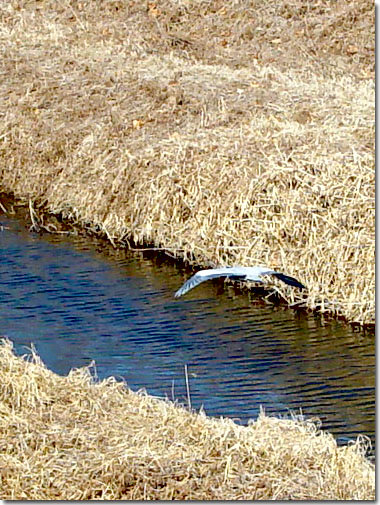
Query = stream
x=78 y=300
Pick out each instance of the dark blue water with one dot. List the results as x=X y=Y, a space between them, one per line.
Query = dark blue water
x=77 y=301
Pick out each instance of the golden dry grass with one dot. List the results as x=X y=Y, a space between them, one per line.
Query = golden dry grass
x=71 y=438
x=225 y=132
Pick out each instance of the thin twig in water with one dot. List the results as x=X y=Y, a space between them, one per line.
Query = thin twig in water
x=173 y=397
x=35 y=226
x=187 y=388
x=3 y=208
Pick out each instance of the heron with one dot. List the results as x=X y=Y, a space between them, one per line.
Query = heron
x=252 y=274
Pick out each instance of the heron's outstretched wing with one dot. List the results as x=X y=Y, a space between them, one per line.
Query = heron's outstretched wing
x=205 y=275
x=288 y=280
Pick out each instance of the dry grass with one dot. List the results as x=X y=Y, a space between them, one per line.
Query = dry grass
x=234 y=132
x=71 y=438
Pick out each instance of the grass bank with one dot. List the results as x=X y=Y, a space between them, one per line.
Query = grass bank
x=225 y=133
x=73 y=438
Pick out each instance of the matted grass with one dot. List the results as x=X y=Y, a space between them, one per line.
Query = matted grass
x=224 y=132
x=73 y=438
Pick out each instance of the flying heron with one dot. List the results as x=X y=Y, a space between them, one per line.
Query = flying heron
x=238 y=273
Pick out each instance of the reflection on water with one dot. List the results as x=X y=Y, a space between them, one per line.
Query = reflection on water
x=76 y=304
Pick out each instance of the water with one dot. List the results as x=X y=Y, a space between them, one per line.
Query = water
x=77 y=301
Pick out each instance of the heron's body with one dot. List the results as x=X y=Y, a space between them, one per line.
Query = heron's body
x=252 y=274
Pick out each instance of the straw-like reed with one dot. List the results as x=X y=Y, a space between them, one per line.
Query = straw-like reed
x=72 y=438
x=225 y=132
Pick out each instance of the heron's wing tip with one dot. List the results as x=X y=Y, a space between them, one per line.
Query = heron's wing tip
x=181 y=291
x=291 y=281
x=189 y=284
